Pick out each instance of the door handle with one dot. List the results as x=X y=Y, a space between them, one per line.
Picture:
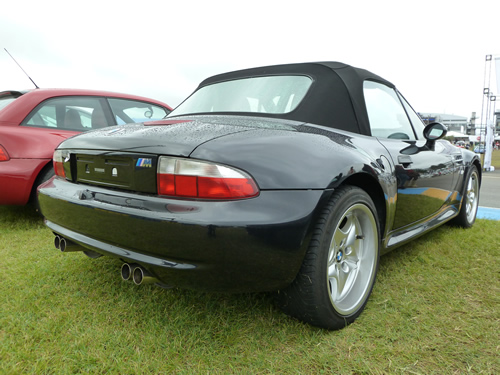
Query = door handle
x=404 y=160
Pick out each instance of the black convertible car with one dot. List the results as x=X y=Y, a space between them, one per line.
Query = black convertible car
x=290 y=178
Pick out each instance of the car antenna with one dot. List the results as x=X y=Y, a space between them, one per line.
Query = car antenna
x=21 y=68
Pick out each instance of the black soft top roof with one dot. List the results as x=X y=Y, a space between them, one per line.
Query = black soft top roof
x=335 y=98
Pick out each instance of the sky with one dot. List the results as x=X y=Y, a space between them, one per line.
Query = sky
x=433 y=51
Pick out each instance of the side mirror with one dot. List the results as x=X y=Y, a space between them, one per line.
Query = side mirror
x=433 y=132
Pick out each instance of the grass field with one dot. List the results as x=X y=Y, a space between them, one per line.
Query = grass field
x=434 y=309
x=495 y=159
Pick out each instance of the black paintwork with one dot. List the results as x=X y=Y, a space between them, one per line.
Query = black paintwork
x=296 y=161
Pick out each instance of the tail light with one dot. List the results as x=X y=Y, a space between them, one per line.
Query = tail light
x=58 y=161
x=185 y=178
x=4 y=156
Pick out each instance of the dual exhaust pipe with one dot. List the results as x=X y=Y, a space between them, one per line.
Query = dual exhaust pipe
x=65 y=245
x=129 y=271
x=138 y=274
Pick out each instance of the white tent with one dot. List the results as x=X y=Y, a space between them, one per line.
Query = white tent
x=456 y=135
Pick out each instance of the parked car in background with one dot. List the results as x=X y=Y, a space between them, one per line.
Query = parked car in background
x=290 y=178
x=479 y=149
x=34 y=122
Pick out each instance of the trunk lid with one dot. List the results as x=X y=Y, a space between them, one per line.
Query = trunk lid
x=126 y=157
x=164 y=137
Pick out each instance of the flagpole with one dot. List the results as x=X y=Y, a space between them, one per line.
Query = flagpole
x=487 y=121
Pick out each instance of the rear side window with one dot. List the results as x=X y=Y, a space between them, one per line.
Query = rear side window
x=69 y=113
x=131 y=111
x=388 y=118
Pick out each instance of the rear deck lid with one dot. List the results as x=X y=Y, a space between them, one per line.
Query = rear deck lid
x=126 y=157
x=166 y=137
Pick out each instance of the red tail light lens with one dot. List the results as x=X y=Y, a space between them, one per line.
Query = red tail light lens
x=185 y=178
x=4 y=156
x=58 y=161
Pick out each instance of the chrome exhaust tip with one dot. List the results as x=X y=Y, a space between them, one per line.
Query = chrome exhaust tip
x=142 y=276
x=65 y=245
x=57 y=242
x=127 y=270
x=62 y=244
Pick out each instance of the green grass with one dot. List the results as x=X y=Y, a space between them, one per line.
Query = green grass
x=495 y=159
x=434 y=309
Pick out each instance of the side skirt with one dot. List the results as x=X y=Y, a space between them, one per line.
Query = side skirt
x=406 y=234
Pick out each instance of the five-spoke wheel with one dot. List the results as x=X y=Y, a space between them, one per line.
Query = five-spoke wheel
x=340 y=266
x=351 y=259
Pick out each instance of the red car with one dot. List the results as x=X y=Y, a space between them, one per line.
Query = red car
x=34 y=122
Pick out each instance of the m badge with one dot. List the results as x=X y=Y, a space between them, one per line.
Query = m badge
x=144 y=163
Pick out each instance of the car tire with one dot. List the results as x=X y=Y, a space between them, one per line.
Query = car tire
x=470 y=202
x=341 y=263
x=44 y=176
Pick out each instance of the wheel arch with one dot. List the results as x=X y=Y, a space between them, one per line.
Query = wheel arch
x=372 y=187
x=477 y=163
x=470 y=158
x=474 y=162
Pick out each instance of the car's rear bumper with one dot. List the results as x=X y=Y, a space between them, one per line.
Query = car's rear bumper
x=247 y=245
x=17 y=177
